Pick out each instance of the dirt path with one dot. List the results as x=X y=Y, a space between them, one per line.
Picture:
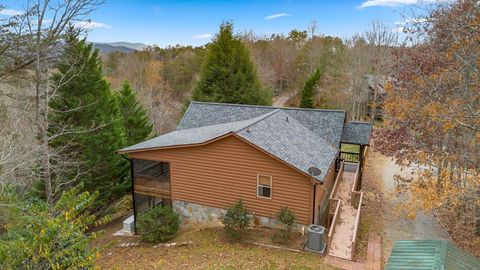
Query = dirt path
x=381 y=170
x=282 y=99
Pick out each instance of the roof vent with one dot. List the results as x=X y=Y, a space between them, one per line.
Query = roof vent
x=248 y=130
x=286 y=119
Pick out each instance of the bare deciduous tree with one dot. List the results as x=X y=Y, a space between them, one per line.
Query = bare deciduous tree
x=32 y=41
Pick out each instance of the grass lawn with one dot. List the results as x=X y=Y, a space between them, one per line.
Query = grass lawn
x=208 y=251
x=352 y=148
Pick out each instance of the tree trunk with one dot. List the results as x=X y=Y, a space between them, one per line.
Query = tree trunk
x=41 y=118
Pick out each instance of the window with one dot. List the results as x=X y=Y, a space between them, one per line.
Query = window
x=264 y=186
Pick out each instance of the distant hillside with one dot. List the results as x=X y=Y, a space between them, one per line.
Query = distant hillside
x=126 y=47
x=107 y=48
x=135 y=46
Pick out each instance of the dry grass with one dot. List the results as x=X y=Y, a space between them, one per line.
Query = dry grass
x=209 y=250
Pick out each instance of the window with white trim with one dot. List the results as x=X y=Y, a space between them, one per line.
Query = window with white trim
x=264 y=186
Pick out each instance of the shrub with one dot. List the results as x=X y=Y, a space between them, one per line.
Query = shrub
x=158 y=224
x=236 y=221
x=287 y=219
x=42 y=236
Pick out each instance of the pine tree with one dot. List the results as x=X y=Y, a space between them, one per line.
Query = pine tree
x=136 y=124
x=308 y=94
x=86 y=121
x=228 y=74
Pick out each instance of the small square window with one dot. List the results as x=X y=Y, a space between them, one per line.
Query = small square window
x=264 y=186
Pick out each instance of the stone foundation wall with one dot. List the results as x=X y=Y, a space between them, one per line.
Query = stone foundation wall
x=194 y=215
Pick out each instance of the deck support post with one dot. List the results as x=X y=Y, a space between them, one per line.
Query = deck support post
x=132 y=164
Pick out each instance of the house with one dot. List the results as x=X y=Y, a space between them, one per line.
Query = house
x=269 y=157
x=376 y=95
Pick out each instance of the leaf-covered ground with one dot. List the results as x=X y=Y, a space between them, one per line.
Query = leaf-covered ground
x=208 y=251
x=380 y=216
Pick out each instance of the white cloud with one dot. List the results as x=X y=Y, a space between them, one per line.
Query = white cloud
x=411 y=21
x=399 y=29
x=392 y=3
x=88 y=25
x=408 y=24
x=278 y=15
x=10 y=12
x=203 y=36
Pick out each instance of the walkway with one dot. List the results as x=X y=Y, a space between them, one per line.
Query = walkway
x=374 y=256
x=341 y=244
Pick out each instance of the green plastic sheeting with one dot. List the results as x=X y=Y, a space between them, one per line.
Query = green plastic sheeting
x=431 y=255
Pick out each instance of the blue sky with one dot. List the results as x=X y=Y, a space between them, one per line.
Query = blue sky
x=194 y=22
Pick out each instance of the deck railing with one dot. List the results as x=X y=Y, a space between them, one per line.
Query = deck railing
x=357 y=223
x=350 y=156
x=334 y=204
x=356 y=199
x=337 y=180
x=355 y=187
x=156 y=188
x=331 y=230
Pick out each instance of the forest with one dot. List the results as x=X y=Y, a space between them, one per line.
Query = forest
x=66 y=109
x=165 y=77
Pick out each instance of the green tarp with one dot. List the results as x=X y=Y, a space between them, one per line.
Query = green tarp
x=431 y=255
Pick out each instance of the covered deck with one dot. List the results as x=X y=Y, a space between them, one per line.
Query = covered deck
x=151 y=178
x=160 y=188
x=151 y=185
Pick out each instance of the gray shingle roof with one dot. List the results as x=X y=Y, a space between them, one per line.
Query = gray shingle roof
x=286 y=138
x=357 y=133
x=194 y=135
x=327 y=124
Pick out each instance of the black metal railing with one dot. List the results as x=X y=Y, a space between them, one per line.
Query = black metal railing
x=350 y=156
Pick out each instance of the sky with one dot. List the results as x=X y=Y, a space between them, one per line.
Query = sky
x=188 y=22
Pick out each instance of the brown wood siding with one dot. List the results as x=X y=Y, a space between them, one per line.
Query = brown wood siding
x=322 y=189
x=219 y=173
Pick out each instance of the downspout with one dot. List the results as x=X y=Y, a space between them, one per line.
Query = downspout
x=314 y=191
x=131 y=161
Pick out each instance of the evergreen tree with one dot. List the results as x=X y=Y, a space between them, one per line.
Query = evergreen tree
x=136 y=124
x=308 y=94
x=228 y=74
x=86 y=121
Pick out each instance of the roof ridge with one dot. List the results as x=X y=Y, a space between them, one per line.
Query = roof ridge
x=298 y=122
x=265 y=106
x=261 y=118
